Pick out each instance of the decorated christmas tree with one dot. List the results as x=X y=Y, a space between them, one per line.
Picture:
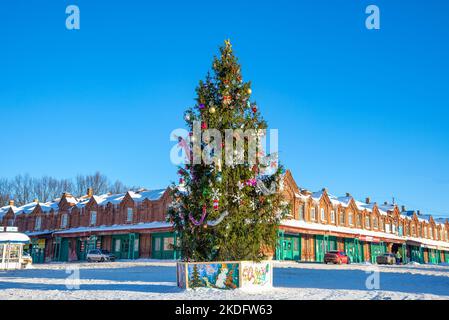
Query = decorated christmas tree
x=228 y=204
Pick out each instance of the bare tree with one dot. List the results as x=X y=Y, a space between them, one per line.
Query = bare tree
x=24 y=189
x=5 y=191
x=118 y=187
x=98 y=182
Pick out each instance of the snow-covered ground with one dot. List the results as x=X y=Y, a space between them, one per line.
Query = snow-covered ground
x=151 y=279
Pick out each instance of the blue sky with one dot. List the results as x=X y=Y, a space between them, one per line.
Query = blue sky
x=358 y=110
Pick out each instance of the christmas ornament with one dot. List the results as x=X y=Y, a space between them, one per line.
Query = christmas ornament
x=252 y=204
x=215 y=204
x=227 y=100
x=251 y=182
x=198 y=222
x=249 y=91
x=237 y=198
x=212 y=110
x=201 y=106
x=254 y=108
x=216 y=194
x=219 y=220
x=203 y=125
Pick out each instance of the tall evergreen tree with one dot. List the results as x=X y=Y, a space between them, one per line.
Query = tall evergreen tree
x=230 y=207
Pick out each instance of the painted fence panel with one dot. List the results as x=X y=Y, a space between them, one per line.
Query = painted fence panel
x=225 y=275
x=256 y=275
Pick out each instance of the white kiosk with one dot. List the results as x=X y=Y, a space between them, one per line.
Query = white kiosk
x=11 y=248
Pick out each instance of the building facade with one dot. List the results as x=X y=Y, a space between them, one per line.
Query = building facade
x=133 y=225
x=319 y=222
x=130 y=225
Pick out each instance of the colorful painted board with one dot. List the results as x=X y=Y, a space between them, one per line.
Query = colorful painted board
x=225 y=275
x=181 y=275
x=256 y=275
x=214 y=275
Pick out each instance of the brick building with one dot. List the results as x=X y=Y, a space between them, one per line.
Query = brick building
x=132 y=225
x=320 y=222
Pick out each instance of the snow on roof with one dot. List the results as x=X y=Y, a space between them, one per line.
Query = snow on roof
x=16 y=237
x=139 y=196
x=316 y=196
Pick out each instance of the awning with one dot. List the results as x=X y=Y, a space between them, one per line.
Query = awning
x=13 y=237
x=414 y=243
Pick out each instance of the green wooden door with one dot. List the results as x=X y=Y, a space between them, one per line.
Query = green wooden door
x=279 y=249
x=377 y=249
x=352 y=250
x=125 y=246
x=81 y=250
x=416 y=254
x=287 y=246
x=117 y=246
x=320 y=248
x=37 y=253
x=433 y=256
x=162 y=245
x=64 y=254
x=360 y=249
x=297 y=248
x=324 y=244
x=331 y=243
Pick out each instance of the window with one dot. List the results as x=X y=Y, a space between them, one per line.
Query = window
x=419 y=231
x=351 y=218
x=301 y=212
x=323 y=215
x=93 y=218
x=312 y=214
x=37 y=225
x=425 y=231
x=333 y=216
x=387 y=228
x=358 y=221
x=367 y=222
x=342 y=217
x=117 y=245
x=430 y=233
x=64 y=221
x=10 y=222
x=393 y=228
x=413 y=230
x=129 y=215
x=136 y=244
x=168 y=243
x=375 y=222
x=157 y=244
